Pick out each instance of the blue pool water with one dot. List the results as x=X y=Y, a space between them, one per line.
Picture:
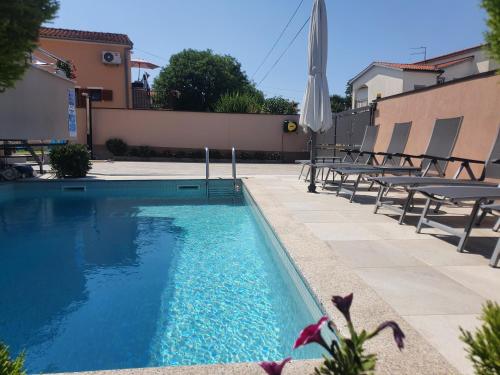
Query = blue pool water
x=97 y=280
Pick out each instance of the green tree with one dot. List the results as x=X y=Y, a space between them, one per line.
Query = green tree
x=492 y=7
x=20 y=22
x=279 y=106
x=10 y=366
x=202 y=77
x=339 y=103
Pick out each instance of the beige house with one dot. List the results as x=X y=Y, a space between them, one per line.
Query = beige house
x=382 y=79
x=102 y=62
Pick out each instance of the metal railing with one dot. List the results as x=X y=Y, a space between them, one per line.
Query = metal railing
x=360 y=103
x=233 y=162
x=47 y=60
x=207 y=168
x=150 y=99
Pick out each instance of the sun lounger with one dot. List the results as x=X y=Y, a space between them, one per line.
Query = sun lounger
x=439 y=148
x=479 y=195
x=391 y=158
x=491 y=170
x=362 y=155
x=494 y=208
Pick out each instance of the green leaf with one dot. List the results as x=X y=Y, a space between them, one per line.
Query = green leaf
x=483 y=347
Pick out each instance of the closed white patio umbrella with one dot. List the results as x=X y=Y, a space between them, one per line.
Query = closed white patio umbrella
x=316 y=113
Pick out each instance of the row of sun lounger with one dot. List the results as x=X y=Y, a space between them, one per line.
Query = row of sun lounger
x=397 y=172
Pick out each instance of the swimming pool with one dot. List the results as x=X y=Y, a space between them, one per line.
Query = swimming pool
x=125 y=274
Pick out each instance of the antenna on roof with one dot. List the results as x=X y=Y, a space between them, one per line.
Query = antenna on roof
x=420 y=51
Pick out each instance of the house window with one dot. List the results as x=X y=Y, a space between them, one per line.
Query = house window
x=96 y=95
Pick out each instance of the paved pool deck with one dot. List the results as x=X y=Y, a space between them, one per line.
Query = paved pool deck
x=419 y=280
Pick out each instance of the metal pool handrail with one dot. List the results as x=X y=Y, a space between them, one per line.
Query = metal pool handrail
x=207 y=163
x=233 y=159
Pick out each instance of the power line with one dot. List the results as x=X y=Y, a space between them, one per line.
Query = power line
x=280 y=89
x=151 y=54
x=286 y=49
x=279 y=38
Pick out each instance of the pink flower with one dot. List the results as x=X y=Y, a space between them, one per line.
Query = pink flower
x=311 y=333
x=396 y=331
x=343 y=304
x=274 y=368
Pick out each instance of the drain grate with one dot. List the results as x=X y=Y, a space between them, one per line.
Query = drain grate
x=74 y=188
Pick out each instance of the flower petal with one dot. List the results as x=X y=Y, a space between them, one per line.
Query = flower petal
x=311 y=333
x=343 y=304
x=397 y=332
x=274 y=368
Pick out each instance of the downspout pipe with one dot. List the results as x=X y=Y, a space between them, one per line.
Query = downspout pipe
x=127 y=77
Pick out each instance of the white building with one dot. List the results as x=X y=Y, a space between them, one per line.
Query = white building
x=381 y=79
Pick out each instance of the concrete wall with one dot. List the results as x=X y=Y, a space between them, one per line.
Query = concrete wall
x=36 y=108
x=480 y=63
x=411 y=78
x=478 y=100
x=194 y=130
x=379 y=80
x=90 y=70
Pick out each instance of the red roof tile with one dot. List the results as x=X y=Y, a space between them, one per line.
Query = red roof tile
x=91 y=36
x=453 y=62
x=421 y=67
x=452 y=54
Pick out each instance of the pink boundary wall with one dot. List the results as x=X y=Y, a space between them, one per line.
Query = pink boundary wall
x=476 y=99
x=193 y=130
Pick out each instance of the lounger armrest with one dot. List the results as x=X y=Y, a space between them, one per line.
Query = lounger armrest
x=466 y=160
x=424 y=156
x=387 y=153
x=407 y=155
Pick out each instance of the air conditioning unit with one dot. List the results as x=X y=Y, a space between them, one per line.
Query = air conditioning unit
x=113 y=58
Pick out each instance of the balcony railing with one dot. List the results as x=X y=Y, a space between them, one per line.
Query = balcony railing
x=150 y=99
x=46 y=60
x=360 y=103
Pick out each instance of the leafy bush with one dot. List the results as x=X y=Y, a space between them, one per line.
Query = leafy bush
x=10 y=366
x=117 y=146
x=483 y=347
x=347 y=355
x=70 y=160
x=279 y=106
x=143 y=152
x=238 y=103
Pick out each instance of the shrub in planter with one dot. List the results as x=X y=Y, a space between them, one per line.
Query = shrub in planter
x=117 y=146
x=483 y=346
x=70 y=160
x=180 y=154
x=143 y=152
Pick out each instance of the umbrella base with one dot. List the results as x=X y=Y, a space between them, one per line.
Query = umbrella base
x=311 y=188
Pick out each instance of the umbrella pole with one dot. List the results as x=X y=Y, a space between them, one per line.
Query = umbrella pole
x=312 y=175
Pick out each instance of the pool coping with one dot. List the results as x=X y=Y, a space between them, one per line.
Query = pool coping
x=325 y=275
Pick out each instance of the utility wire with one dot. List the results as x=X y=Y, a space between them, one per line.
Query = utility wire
x=279 y=38
x=283 y=53
x=149 y=53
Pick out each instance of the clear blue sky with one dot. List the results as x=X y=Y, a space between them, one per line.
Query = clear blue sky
x=360 y=32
